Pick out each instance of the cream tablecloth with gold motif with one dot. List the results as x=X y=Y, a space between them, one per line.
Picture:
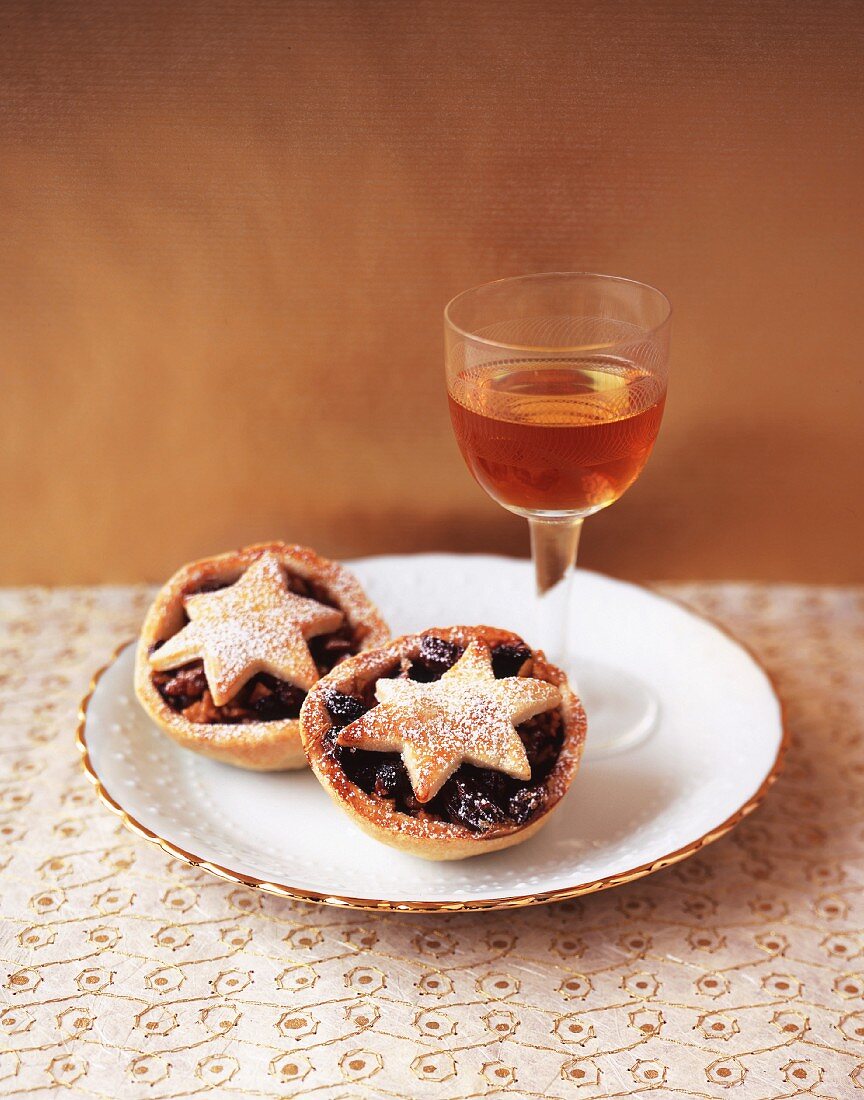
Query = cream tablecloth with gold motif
x=738 y=973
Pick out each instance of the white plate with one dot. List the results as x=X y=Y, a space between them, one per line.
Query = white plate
x=715 y=753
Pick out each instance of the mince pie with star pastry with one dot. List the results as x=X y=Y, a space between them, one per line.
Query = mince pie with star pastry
x=232 y=644
x=446 y=744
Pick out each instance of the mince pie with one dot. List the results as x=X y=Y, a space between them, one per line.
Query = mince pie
x=445 y=744
x=232 y=644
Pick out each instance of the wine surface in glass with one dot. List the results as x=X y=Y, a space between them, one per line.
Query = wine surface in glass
x=562 y=437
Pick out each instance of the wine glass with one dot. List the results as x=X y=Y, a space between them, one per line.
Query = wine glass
x=556 y=384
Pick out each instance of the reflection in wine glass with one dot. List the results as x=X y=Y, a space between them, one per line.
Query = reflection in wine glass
x=557 y=385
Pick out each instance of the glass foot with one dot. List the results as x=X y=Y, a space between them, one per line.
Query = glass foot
x=622 y=710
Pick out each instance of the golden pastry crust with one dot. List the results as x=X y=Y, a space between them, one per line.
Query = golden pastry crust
x=424 y=835
x=259 y=746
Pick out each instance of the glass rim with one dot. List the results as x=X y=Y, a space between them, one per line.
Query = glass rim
x=621 y=279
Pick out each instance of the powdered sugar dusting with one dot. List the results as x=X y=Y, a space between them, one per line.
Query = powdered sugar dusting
x=255 y=625
x=466 y=716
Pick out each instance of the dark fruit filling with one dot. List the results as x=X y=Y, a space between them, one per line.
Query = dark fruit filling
x=264 y=698
x=435 y=657
x=477 y=798
x=507 y=660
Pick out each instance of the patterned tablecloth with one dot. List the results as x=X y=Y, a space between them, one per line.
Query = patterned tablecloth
x=738 y=973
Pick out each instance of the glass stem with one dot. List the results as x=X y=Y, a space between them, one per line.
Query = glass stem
x=554 y=543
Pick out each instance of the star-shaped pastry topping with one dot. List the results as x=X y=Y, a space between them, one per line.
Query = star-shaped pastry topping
x=467 y=716
x=255 y=625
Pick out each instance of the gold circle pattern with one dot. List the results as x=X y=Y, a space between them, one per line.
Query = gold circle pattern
x=738 y=972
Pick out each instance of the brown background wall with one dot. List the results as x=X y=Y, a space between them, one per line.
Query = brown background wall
x=228 y=231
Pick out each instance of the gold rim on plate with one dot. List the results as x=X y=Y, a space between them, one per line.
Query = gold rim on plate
x=381 y=904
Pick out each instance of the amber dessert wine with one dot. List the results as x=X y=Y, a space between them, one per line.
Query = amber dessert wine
x=560 y=437
x=556 y=384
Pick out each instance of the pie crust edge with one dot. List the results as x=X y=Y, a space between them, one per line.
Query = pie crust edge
x=433 y=840
x=257 y=746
